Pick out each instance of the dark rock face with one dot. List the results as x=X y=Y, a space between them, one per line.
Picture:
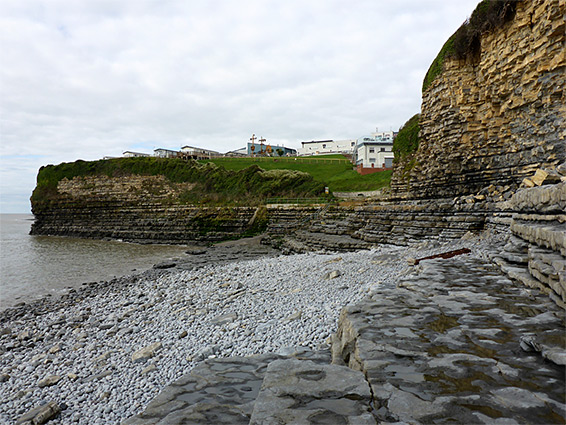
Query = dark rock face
x=219 y=391
x=141 y=223
x=352 y=228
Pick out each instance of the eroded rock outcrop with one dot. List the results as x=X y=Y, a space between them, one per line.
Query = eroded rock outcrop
x=144 y=209
x=536 y=254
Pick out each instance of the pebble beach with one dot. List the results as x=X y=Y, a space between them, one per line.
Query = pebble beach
x=104 y=351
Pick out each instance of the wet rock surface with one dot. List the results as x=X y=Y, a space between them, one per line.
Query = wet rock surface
x=455 y=341
x=218 y=391
x=444 y=346
x=301 y=391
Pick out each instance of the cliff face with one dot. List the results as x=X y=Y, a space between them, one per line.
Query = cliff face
x=135 y=208
x=496 y=119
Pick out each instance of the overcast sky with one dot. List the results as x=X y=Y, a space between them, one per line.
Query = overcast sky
x=93 y=78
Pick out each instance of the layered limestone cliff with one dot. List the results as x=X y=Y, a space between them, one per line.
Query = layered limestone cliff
x=143 y=209
x=495 y=118
x=536 y=252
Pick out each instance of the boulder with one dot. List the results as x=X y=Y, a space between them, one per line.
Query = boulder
x=543 y=177
x=333 y=274
x=48 y=381
x=146 y=352
x=40 y=414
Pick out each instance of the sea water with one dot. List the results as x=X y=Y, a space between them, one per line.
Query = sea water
x=32 y=267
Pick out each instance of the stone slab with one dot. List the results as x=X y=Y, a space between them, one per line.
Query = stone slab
x=216 y=391
x=303 y=392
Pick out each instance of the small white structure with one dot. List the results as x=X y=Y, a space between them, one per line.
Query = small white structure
x=238 y=152
x=320 y=147
x=194 y=151
x=165 y=153
x=374 y=152
x=130 y=154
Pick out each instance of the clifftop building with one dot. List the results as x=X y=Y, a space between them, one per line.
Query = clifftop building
x=374 y=152
x=198 y=152
x=320 y=147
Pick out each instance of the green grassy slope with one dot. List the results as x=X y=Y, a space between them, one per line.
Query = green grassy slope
x=465 y=43
x=224 y=180
x=335 y=171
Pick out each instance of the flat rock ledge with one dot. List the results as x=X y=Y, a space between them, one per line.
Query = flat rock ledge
x=298 y=386
x=449 y=345
x=454 y=342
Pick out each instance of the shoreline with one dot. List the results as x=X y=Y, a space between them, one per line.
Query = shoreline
x=79 y=351
x=194 y=256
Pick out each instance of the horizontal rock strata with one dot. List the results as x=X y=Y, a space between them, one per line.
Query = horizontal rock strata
x=494 y=120
x=536 y=256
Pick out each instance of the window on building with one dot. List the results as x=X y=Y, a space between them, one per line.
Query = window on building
x=371 y=150
x=353 y=143
x=324 y=146
x=382 y=149
x=372 y=160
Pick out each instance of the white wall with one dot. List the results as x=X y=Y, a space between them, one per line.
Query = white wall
x=327 y=146
x=366 y=157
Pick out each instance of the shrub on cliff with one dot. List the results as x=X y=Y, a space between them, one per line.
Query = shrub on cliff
x=407 y=140
x=465 y=43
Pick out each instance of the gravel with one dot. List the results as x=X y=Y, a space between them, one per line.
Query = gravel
x=83 y=346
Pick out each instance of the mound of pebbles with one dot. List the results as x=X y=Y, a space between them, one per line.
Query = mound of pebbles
x=107 y=351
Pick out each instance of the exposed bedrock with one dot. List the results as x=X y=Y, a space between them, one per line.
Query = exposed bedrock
x=446 y=345
x=497 y=118
x=534 y=216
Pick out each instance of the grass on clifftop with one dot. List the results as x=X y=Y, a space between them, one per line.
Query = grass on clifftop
x=224 y=181
x=334 y=171
x=351 y=181
x=213 y=184
x=465 y=43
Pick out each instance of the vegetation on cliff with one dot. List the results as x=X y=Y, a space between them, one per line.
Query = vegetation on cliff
x=407 y=141
x=335 y=171
x=465 y=43
x=213 y=184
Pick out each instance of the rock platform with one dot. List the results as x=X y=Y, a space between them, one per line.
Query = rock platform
x=454 y=342
x=299 y=387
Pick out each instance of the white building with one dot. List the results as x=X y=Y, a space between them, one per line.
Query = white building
x=374 y=152
x=193 y=151
x=238 y=152
x=165 y=153
x=320 y=147
x=130 y=154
